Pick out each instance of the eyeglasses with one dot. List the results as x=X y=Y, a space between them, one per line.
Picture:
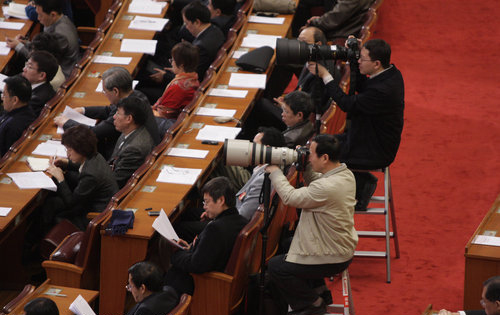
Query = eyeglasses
x=206 y=201
x=30 y=66
x=483 y=303
x=361 y=59
x=128 y=287
x=170 y=60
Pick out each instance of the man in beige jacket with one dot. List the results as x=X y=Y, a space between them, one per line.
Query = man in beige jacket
x=325 y=238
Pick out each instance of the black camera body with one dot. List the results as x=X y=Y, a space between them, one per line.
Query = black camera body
x=292 y=51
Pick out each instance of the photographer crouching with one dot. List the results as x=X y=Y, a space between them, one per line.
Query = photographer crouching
x=324 y=241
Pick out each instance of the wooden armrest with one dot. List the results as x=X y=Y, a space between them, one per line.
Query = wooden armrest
x=86 y=29
x=62 y=273
x=212 y=293
x=92 y=215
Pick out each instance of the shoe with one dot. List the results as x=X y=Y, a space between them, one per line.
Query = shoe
x=311 y=310
x=366 y=191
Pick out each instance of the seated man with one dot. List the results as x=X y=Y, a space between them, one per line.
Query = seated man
x=41 y=306
x=51 y=17
x=376 y=114
x=135 y=142
x=490 y=300
x=324 y=241
x=297 y=107
x=117 y=84
x=213 y=247
x=145 y=285
x=222 y=14
x=18 y=114
x=40 y=69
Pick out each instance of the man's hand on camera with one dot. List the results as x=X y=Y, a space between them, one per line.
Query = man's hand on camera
x=322 y=72
x=272 y=168
x=352 y=36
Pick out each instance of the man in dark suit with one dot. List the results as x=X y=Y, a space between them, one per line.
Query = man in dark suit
x=40 y=69
x=375 y=112
x=222 y=14
x=18 y=115
x=145 y=285
x=134 y=143
x=213 y=247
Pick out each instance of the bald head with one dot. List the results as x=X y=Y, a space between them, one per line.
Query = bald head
x=312 y=35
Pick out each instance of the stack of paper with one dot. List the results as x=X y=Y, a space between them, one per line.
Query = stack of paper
x=38 y=164
x=33 y=180
x=4 y=211
x=76 y=116
x=81 y=307
x=2 y=84
x=486 y=240
x=205 y=111
x=228 y=93
x=50 y=148
x=147 y=23
x=15 y=10
x=4 y=50
x=217 y=133
x=189 y=153
x=266 y=20
x=177 y=175
x=143 y=46
x=248 y=80
x=112 y=60
x=146 y=7
x=257 y=40
x=100 y=90
x=11 y=25
x=163 y=226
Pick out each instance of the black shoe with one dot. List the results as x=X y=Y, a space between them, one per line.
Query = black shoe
x=367 y=186
x=311 y=310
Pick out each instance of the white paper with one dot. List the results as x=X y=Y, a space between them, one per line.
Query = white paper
x=238 y=53
x=38 y=164
x=217 y=133
x=205 y=111
x=228 y=93
x=266 y=20
x=4 y=49
x=51 y=148
x=486 y=240
x=177 y=175
x=4 y=211
x=189 y=153
x=33 y=180
x=2 y=84
x=100 y=90
x=248 y=80
x=112 y=60
x=11 y=25
x=163 y=226
x=258 y=40
x=81 y=307
x=146 y=7
x=147 y=23
x=76 y=116
x=15 y=10
x=143 y=46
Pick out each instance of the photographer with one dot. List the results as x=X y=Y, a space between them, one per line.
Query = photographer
x=324 y=241
x=376 y=114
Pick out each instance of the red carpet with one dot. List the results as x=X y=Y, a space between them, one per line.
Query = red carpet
x=447 y=172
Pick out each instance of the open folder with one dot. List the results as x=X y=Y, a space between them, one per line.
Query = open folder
x=163 y=226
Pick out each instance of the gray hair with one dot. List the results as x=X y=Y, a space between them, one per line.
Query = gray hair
x=117 y=77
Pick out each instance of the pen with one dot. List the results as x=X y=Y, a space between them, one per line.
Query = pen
x=147 y=209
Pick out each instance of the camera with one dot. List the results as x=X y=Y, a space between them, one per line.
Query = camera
x=292 y=51
x=245 y=153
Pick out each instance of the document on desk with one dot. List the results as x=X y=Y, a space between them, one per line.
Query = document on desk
x=266 y=20
x=50 y=148
x=76 y=116
x=147 y=23
x=163 y=226
x=228 y=93
x=2 y=84
x=4 y=50
x=486 y=240
x=146 y=7
x=11 y=25
x=112 y=60
x=15 y=10
x=4 y=211
x=189 y=153
x=217 y=133
x=178 y=175
x=81 y=307
x=100 y=90
x=258 y=40
x=37 y=164
x=248 y=80
x=33 y=180
x=205 y=111
x=142 y=46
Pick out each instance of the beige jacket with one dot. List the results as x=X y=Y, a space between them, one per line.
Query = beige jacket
x=325 y=233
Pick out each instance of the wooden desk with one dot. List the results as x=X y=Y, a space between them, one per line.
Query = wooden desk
x=63 y=302
x=481 y=262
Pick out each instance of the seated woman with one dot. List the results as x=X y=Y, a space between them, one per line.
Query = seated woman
x=180 y=91
x=85 y=182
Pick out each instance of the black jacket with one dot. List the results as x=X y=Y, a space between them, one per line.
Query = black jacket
x=12 y=126
x=158 y=303
x=209 y=42
x=40 y=96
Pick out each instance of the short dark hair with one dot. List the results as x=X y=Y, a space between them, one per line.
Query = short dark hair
x=147 y=273
x=272 y=137
x=318 y=35
x=379 y=49
x=18 y=86
x=132 y=105
x=299 y=101
x=50 y=5
x=46 y=62
x=196 y=11
x=48 y=42
x=41 y=306
x=492 y=286
x=220 y=187
x=117 y=77
x=186 y=55
x=329 y=145
x=80 y=139
x=226 y=7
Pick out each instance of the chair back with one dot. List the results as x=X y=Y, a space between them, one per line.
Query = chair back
x=9 y=307
x=240 y=21
x=246 y=7
x=172 y=130
x=183 y=307
x=230 y=39
x=106 y=24
x=238 y=265
x=115 y=7
x=192 y=105
x=56 y=99
x=87 y=56
x=207 y=80
x=219 y=60
x=75 y=73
